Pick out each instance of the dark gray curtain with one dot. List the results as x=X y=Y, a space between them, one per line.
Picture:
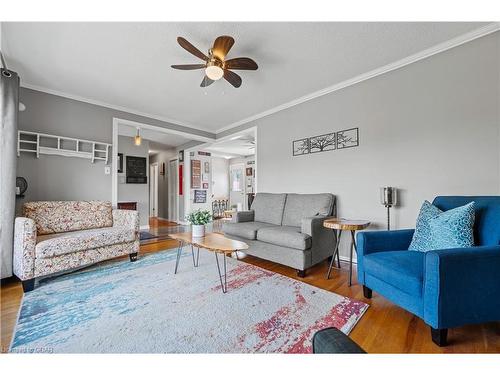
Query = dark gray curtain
x=9 y=106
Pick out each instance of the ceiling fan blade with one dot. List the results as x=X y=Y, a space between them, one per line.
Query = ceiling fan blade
x=222 y=45
x=241 y=63
x=189 y=66
x=233 y=78
x=191 y=49
x=206 y=82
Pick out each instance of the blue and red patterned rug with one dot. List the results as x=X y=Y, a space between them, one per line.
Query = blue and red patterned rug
x=142 y=307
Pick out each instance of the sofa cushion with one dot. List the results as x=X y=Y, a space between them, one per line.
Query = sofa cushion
x=269 y=207
x=286 y=236
x=401 y=269
x=66 y=216
x=246 y=230
x=53 y=245
x=298 y=206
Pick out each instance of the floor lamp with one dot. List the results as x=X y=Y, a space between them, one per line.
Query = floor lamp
x=389 y=198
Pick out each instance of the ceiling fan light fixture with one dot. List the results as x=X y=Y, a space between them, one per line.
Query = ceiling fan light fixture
x=214 y=71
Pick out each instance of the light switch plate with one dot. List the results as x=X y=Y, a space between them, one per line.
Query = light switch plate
x=107 y=170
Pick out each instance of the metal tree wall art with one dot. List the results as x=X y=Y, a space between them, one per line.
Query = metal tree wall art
x=326 y=142
x=322 y=143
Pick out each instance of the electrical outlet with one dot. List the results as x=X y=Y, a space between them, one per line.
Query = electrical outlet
x=107 y=170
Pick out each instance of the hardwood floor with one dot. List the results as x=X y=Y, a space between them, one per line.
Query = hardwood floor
x=385 y=328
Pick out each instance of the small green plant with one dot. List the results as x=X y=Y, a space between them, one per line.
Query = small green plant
x=199 y=217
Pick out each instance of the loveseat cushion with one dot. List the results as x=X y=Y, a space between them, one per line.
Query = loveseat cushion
x=53 y=245
x=246 y=230
x=286 y=236
x=66 y=216
x=298 y=206
x=269 y=207
x=402 y=269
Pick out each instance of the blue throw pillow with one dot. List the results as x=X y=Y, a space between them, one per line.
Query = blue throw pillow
x=454 y=228
x=422 y=238
x=436 y=229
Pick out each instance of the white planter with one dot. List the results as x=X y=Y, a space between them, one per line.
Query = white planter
x=198 y=230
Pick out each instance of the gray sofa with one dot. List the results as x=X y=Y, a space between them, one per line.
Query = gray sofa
x=286 y=228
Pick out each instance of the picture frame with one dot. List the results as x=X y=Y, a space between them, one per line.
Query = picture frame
x=249 y=171
x=300 y=147
x=205 y=185
x=181 y=155
x=120 y=162
x=347 y=138
x=206 y=167
x=321 y=143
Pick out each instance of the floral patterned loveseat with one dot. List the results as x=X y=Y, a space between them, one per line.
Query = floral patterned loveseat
x=56 y=236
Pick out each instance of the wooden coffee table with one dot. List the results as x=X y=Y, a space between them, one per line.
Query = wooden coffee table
x=340 y=225
x=215 y=242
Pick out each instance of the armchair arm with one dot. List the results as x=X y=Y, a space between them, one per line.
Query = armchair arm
x=323 y=239
x=126 y=218
x=384 y=240
x=242 y=216
x=24 y=248
x=462 y=286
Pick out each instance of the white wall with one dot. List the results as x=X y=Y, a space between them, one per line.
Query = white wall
x=429 y=128
x=134 y=192
x=220 y=178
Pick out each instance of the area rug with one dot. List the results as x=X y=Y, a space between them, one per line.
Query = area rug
x=142 y=307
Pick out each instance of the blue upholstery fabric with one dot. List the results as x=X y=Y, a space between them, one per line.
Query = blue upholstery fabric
x=422 y=238
x=457 y=286
x=402 y=269
x=487 y=222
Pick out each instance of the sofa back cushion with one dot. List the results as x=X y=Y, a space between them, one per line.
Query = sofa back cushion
x=66 y=216
x=487 y=220
x=299 y=206
x=268 y=208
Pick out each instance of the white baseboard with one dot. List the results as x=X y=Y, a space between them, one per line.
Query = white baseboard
x=144 y=227
x=346 y=259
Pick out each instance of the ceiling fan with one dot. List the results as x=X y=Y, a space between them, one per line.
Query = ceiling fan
x=215 y=64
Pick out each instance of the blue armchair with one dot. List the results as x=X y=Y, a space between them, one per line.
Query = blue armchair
x=446 y=288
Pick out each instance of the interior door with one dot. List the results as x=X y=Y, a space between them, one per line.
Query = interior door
x=153 y=190
x=173 y=190
x=237 y=188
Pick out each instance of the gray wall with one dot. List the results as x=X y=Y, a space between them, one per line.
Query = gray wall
x=429 y=128
x=63 y=178
x=134 y=192
x=163 y=157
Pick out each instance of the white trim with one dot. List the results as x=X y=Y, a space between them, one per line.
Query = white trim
x=455 y=42
x=114 y=164
x=161 y=129
x=144 y=227
x=112 y=106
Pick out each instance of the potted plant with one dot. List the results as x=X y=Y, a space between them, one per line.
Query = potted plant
x=198 y=219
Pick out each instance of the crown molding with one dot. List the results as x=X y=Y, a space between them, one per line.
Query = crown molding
x=442 y=47
x=115 y=107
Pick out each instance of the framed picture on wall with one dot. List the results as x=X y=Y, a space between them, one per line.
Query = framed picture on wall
x=249 y=171
x=205 y=185
x=207 y=167
x=120 y=163
x=181 y=156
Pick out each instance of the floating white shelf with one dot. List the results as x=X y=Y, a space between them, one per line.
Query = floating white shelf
x=47 y=144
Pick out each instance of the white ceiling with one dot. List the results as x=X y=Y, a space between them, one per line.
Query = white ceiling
x=128 y=64
x=242 y=144
x=161 y=140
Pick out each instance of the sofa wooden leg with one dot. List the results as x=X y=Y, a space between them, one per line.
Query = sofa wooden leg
x=133 y=257
x=439 y=336
x=301 y=273
x=367 y=292
x=28 y=285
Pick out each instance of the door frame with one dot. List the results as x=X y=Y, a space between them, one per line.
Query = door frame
x=175 y=192
x=244 y=188
x=153 y=189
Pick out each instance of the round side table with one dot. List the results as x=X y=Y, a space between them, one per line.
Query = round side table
x=340 y=225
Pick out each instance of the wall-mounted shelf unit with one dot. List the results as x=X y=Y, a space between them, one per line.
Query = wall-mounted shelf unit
x=47 y=144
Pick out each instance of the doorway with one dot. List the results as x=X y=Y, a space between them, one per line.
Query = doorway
x=153 y=190
x=237 y=186
x=173 y=190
